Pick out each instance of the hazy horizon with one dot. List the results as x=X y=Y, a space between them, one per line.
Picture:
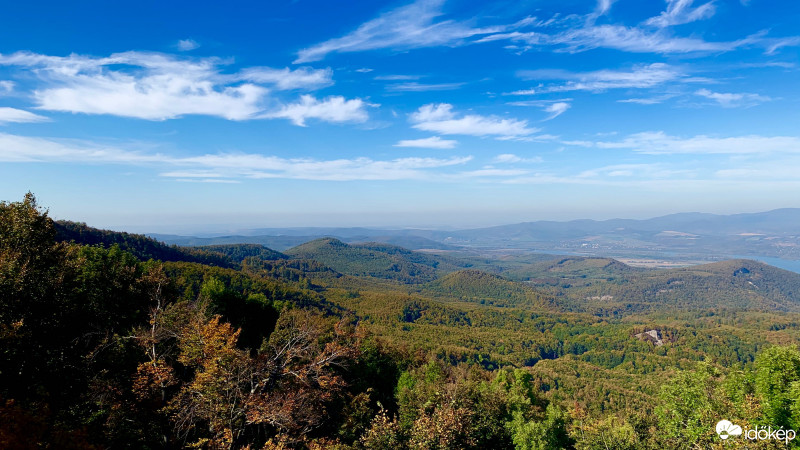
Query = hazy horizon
x=245 y=227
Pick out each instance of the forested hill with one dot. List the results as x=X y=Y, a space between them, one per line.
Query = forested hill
x=240 y=252
x=139 y=245
x=613 y=289
x=375 y=260
x=488 y=289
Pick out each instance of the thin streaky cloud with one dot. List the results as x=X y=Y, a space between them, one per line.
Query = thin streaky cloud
x=510 y=158
x=416 y=25
x=660 y=143
x=421 y=87
x=648 y=100
x=488 y=173
x=522 y=92
x=639 y=77
x=430 y=142
x=679 y=12
x=8 y=115
x=733 y=100
x=540 y=102
x=397 y=77
x=635 y=40
x=440 y=118
x=23 y=149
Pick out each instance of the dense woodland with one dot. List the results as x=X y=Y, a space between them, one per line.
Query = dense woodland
x=114 y=340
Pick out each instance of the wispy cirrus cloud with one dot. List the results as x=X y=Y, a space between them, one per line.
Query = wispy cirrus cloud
x=639 y=77
x=421 y=25
x=643 y=170
x=417 y=25
x=660 y=143
x=156 y=86
x=430 y=142
x=422 y=87
x=397 y=77
x=556 y=109
x=733 y=100
x=679 y=12
x=652 y=36
x=630 y=39
x=440 y=118
x=654 y=100
x=221 y=167
x=19 y=116
x=510 y=158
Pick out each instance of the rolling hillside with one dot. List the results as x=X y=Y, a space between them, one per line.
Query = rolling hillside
x=374 y=260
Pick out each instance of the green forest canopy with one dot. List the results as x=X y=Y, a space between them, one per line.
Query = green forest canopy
x=116 y=340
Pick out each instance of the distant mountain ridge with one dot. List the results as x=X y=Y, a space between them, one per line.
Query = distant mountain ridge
x=700 y=236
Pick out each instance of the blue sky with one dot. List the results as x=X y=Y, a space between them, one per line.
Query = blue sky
x=197 y=117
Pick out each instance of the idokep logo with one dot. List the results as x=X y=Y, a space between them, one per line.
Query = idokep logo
x=726 y=429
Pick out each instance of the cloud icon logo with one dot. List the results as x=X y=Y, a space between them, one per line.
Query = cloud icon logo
x=726 y=429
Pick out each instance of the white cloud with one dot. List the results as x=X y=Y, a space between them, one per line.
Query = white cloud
x=634 y=40
x=539 y=102
x=19 y=116
x=440 y=118
x=733 y=100
x=431 y=142
x=556 y=109
x=657 y=143
x=603 y=6
x=222 y=166
x=285 y=79
x=488 y=172
x=331 y=109
x=681 y=11
x=628 y=170
x=397 y=77
x=6 y=87
x=522 y=92
x=419 y=25
x=156 y=86
x=648 y=100
x=510 y=158
x=411 y=26
x=419 y=87
x=642 y=76
x=186 y=45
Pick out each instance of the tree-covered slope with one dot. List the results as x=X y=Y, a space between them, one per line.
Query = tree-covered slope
x=488 y=289
x=240 y=252
x=139 y=245
x=737 y=284
x=374 y=260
